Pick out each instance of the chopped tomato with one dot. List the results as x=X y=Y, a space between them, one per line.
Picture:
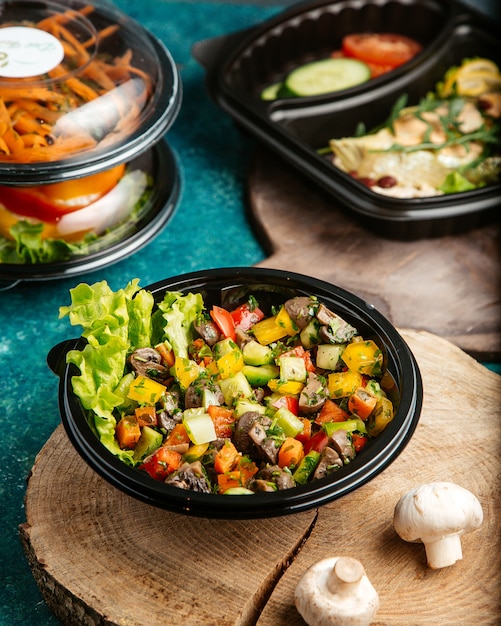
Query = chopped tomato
x=305 y=434
x=359 y=441
x=162 y=463
x=49 y=203
x=247 y=469
x=223 y=419
x=146 y=416
x=289 y=402
x=128 y=432
x=331 y=412
x=224 y=321
x=316 y=443
x=226 y=458
x=380 y=48
x=244 y=317
x=178 y=436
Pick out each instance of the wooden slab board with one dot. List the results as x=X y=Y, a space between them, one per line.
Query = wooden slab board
x=450 y=286
x=101 y=557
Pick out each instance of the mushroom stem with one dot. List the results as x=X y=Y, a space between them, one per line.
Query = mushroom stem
x=444 y=551
x=345 y=576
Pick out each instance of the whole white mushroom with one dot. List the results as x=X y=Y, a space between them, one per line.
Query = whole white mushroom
x=437 y=514
x=336 y=592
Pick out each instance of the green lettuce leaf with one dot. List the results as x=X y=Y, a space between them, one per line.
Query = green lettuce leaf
x=456 y=183
x=179 y=312
x=114 y=324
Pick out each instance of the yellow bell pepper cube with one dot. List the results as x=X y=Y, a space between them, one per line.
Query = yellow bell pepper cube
x=145 y=390
x=285 y=387
x=285 y=321
x=343 y=384
x=365 y=357
x=230 y=363
x=267 y=331
x=381 y=417
x=186 y=371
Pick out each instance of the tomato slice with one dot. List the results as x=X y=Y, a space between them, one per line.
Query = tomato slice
x=48 y=203
x=386 y=49
x=224 y=321
x=245 y=317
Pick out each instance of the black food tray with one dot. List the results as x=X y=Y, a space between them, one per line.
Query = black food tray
x=238 y=66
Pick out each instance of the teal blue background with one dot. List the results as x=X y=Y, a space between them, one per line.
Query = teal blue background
x=209 y=229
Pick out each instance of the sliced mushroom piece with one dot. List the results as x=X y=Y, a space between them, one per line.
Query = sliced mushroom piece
x=189 y=476
x=264 y=485
x=301 y=309
x=329 y=462
x=266 y=446
x=241 y=437
x=334 y=328
x=313 y=395
x=242 y=337
x=207 y=329
x=194 y=396
x=341 y=442
x=147 y=362
x=276 y=475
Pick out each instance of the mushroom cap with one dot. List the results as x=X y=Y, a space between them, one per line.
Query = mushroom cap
x=336 y=591
x=435 y=510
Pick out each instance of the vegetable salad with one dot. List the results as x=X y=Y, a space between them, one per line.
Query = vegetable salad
x=226 y=401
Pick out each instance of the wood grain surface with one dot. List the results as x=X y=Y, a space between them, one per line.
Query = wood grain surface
x=101 y=557
x=449 y=286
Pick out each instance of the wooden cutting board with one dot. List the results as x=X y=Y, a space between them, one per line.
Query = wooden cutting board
x=101 y=557
x=450 y=286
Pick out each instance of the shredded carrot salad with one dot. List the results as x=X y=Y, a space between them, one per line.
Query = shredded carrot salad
x=51 y=122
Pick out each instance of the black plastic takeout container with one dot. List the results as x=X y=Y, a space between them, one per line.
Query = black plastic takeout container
x=123 y=240
x=131 y=111
x=138 y=96
x=230 y=287
x=241 y=64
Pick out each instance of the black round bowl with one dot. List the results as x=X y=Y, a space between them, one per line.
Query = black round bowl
x=229 y=287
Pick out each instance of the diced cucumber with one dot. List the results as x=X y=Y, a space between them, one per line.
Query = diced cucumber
x=306 y=467
x=292 y=368
x=243 y=406
x=235 y=387
x=149 y=441
x=288 y=422
x=349 y=426
x=326 y=76
x=238 y=491
x=310 y=334
x=199 y=426
x=225 y=346
x=256 y=354
x=259 y=375
x=328 y=355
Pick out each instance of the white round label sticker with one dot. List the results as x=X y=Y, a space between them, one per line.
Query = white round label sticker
x=26 y=52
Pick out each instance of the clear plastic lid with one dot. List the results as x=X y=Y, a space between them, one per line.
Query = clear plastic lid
x=82 y=87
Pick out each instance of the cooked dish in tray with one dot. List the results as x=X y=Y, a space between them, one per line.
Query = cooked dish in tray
x=448 y=143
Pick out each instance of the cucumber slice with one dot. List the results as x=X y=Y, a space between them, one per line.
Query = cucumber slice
x=325 y=76
x=271 y=91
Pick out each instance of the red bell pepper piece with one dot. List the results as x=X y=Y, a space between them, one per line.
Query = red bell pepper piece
x=317 y=442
